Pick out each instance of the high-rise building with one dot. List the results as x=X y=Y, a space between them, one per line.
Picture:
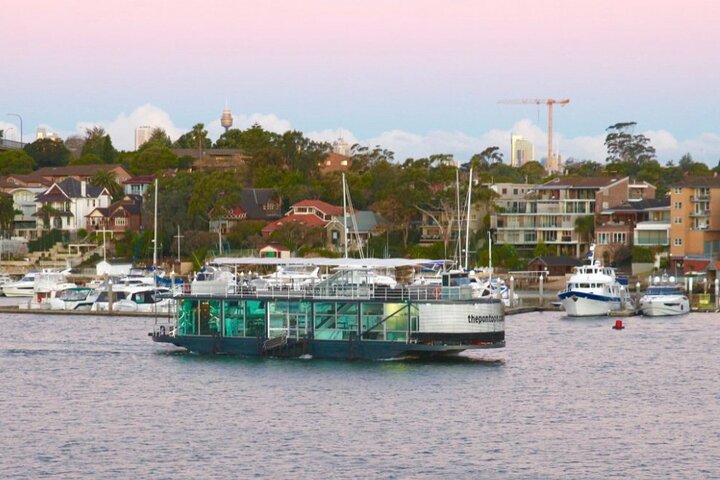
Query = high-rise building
x=41 y=133
x=523 y=151
x=142 y=135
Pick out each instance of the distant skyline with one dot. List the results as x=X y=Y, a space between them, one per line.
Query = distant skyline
x=417 y=77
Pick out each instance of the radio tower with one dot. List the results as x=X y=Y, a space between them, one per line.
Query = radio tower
x=226 y=120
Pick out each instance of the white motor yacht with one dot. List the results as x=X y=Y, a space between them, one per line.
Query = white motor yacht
x=663 y=298
x=21 y=288
x=594 y=290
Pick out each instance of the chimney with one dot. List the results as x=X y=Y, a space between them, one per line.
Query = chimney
x=83 y=188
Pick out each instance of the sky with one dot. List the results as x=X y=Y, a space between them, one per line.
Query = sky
x=417 y=77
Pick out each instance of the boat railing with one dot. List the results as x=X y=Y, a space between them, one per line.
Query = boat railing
x=359 y=292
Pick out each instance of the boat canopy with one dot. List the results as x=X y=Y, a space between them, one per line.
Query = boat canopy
x=330 y=262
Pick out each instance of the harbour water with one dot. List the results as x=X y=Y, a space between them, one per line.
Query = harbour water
x=93 y=397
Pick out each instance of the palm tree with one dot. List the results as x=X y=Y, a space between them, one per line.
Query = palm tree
x=106 y=178
x=585 y=227
x=199 y=134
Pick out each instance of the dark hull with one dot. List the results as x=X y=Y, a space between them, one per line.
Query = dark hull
x=331 y=349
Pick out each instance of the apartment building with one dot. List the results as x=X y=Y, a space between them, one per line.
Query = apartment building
x=695 y=222
x=549 y=212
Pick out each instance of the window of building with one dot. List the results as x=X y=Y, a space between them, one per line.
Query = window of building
x=618 y=237
x=515 y=191
x=677 y=190
x=603 y=238
x=678 y=242
x=677 y=205
x=677 y=220
x=120 y=221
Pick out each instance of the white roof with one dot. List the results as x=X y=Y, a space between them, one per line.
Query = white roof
x=329 y=262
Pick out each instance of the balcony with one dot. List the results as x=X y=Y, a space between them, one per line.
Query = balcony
x=704 y=213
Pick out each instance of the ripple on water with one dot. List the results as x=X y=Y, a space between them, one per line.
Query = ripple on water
x=94 y=397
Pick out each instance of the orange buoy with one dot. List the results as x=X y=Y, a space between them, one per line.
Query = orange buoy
x=618 y=325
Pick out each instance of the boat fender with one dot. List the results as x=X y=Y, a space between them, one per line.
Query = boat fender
x=437 y=293
x=162 y=330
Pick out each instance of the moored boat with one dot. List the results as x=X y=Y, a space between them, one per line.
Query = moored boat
x=664 y=298
x=336 y=319
x=594 y=290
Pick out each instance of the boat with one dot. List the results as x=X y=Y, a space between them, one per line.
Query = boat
x=594 y=290
x=211 y=279
x=21 y=288
x=664 y=298
x=46 y=286
x=74 y=298
x=336 y=319
x=145 y=300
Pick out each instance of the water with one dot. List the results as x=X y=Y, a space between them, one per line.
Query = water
x=87 y=397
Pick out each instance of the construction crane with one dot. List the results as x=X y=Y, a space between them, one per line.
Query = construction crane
x=551 y=166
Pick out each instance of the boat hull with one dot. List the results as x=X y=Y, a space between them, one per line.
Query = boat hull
x=658 y=307
x=10 y=291
x=328 y=349
x=579 y=305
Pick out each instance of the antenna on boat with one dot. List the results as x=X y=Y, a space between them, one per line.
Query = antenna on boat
x=459 y=221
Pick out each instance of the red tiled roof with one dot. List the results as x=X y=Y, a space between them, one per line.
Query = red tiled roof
x=324 y=207
x=140 y=180
x=309 y=220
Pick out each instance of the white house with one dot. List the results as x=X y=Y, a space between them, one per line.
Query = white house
x=70 y=202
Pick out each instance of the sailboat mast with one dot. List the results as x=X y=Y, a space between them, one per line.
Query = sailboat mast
x=459 y=221
x=467 y=220
x=155 y=226
x=345 y=235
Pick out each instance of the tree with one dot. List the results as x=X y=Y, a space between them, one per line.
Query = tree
x=158 y=138
x=48 y=153
x=624 y=146
x=74 y=143
x=585 y=227
x=99 y=143
x=541 y=249
x=294 y=235
x=89 y=159
x=152 y=160
x=213 y=189
x=106 y=178
x=7 y=214
x=15 y=162
x=46 y=213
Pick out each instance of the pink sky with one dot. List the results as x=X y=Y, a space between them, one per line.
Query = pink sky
x=370 y=66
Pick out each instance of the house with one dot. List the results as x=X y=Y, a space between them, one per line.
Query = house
x=67 y=204
x=274 y=250
x=554 y=265
x=258 y=204
x=25 y=222
x=311 y=213
x=214 y=158
x=615 y=227
x=80 y=172
x=121 y=216
x=550 y=210
x=361 y=226
x=137 y=185
x=334 y=162
x=695 y=223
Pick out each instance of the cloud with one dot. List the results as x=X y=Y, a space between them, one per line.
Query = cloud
x=405 y=144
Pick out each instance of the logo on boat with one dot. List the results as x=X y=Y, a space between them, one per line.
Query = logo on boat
x=484 y=318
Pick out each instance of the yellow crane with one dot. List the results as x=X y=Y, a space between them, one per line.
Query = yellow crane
x=552 y=165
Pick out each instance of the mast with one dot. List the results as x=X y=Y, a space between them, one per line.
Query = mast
x=345 y=235
x=459 y=222
x=467 y=220
x=155 y=226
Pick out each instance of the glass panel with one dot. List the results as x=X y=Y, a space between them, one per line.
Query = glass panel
x=209 y=314
x=186 y=317
x=254 y=318
x=234 y=319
